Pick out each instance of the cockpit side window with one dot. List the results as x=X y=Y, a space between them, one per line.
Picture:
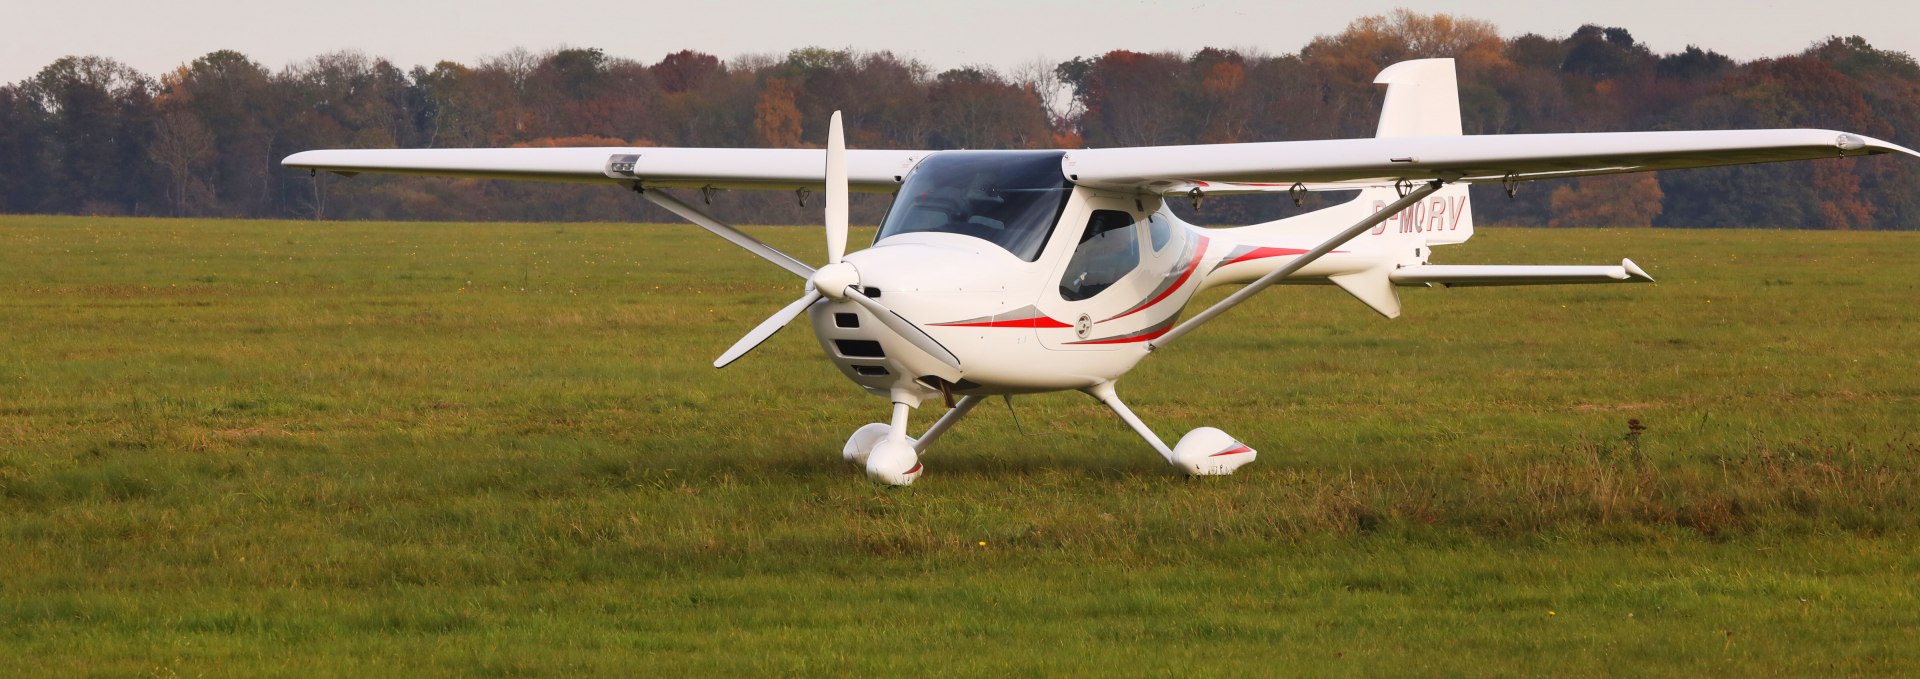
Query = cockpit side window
x=1159 y=231
x=1108 y=251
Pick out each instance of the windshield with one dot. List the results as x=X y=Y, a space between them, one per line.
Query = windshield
x=1008 y=198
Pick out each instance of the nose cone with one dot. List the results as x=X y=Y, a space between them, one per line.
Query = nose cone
x=833 y=279
x=933 y=282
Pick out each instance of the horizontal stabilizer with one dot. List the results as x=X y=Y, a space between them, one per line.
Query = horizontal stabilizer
x=1481 y=274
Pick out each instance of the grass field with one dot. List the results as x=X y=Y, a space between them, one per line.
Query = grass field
x=285 y=448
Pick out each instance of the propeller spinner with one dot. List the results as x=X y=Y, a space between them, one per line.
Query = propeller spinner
x=837 y=280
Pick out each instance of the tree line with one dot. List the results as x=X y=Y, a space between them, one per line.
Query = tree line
x=90 y=135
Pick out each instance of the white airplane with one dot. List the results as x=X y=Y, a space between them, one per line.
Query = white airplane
x=1016 y=272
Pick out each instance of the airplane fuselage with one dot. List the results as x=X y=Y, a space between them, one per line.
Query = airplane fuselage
x=1105 y=274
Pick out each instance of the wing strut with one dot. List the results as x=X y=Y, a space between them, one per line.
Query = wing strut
x=706 y=221
x=1299 y=262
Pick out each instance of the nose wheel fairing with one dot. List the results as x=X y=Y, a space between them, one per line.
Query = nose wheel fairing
x=888 y=454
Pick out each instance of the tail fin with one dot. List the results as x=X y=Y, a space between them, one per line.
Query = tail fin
x=1423 y=100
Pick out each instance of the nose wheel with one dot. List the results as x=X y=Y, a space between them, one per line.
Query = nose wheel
x=888 y=454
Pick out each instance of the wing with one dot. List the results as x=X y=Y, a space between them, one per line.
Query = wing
x=782 y=169
x=1376 y=161
x=1316 y=165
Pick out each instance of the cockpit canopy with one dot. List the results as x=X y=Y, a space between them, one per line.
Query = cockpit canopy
x=1009 y=198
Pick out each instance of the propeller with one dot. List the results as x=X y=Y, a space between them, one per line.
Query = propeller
x=836 y=217
x=766 y=329
x=837 y=280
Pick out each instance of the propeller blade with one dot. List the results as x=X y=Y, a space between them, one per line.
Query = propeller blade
x=766 y=329
x=836 y=191
x=904 y=328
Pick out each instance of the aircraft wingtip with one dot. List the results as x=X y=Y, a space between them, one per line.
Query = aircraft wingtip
x=1853 y=142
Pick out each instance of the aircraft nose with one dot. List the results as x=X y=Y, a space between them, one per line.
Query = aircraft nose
x=948 y=265
x=833 y=279
x=898 y=343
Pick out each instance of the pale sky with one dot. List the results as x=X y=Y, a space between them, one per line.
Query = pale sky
x=157 y=36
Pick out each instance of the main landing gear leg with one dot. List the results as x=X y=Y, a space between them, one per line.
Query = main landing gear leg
x=1202 y=452
x=1104 y=392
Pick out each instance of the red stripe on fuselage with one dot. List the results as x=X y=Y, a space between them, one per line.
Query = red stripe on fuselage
x=1035 y=322
x=1129 y=339
x=1192 y=264
x=1263 y=253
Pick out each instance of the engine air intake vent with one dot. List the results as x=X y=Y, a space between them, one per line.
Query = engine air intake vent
x=859 y=348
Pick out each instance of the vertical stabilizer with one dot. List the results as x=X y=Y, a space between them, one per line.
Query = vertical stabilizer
x=1423 y=99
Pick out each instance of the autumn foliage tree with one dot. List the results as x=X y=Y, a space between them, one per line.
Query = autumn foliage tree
x=775 y=117
x=973 y=108
x=90 y=135
x=1607 y=200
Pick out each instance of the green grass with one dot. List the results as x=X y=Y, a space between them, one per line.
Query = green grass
x=287 y=448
